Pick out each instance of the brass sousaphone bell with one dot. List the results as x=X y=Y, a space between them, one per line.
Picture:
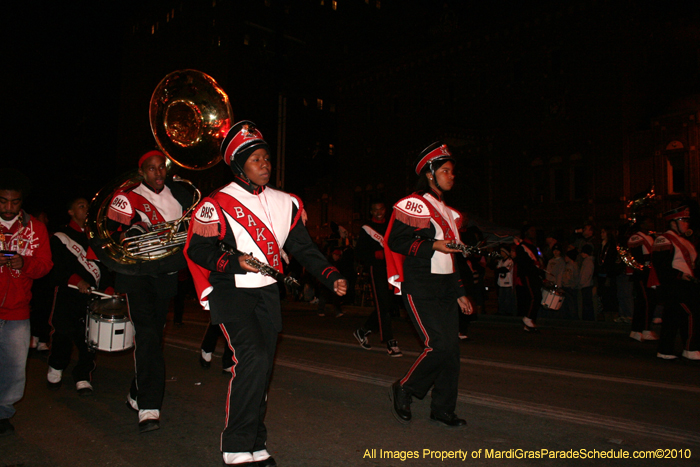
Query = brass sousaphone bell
x=190 y=115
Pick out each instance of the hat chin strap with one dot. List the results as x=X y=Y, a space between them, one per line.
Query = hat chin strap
x=434 y=179
x=236 y=167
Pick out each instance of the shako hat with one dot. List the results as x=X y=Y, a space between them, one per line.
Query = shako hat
x=681 y=212
x=438 y=151
x=240 y=142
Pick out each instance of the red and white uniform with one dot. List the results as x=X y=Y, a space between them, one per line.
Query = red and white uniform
x=246 y=305
x=430 y=286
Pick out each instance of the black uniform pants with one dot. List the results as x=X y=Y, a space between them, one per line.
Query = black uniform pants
x=149 y=298
x=437 y=322
x=681 y=313
x=380 y=318
x=529 y=298
x=211 y=336
x=68 y=324
x=644 y=302
x=252 y=338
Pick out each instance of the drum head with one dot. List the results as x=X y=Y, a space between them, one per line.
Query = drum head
x=114 y=307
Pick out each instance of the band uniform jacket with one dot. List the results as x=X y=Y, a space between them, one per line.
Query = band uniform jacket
x=74 y=261
x=370 y=247
x=135 y=209
x=416 y=222
x=674 y=256
x=262 y=222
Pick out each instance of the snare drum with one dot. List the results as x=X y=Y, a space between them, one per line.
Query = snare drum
x=108 y=326
x=552 y=298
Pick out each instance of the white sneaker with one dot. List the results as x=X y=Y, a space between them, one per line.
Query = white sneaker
x=84 y=388
x=657 y=321
x=149 y=414
x=691 y=354
x=233 y=458
x=666 y=357
x=528 y=322
x=650 y=336
x=636 y=336
x=261 y=455
x=54 y=375
x=206 y=356
x=41 y=347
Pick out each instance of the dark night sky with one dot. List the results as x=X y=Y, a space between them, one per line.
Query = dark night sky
x=64 y=83
x=64 y=75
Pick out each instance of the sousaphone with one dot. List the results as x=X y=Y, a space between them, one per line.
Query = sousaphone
x=190 y=115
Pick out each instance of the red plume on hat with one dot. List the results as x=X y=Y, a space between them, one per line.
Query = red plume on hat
x=438 y=151
x=241 y=141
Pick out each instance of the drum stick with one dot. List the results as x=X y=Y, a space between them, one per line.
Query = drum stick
x=92 y=291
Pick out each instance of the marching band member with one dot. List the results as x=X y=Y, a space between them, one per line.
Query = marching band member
x=674 y=259
x=25 y=256
x=133 y=211
x=249 y=216
x=421 y=268
x=528 y=261
x=641 y=245
x=73 y=266
x=370 y=250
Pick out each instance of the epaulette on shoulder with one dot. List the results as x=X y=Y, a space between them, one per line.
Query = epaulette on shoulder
x=413 y=211
x=635 y=241
x=206 y=218
x=662 y=243
x=120 y=209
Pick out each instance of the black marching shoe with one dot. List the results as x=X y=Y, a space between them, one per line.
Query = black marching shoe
x=450 y=420
x=400 y=403
x=269 y=462
x=150 y=424
x=6 y=428
x=149 y=420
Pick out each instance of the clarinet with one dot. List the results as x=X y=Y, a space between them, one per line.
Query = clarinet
x=468 y=251
x=263 y=268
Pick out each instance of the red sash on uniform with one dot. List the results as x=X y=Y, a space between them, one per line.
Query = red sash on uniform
x=683 y=249
x=255 y=227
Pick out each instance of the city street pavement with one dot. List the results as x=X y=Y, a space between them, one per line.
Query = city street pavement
x=576 y=388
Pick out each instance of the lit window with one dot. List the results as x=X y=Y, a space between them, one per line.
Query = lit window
x=334 y=5
x=322 y=2
x=379 y=4
x=153 y=29
x=330 y=149
x=306 y=103
x=172 y=13
x=319 y=104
